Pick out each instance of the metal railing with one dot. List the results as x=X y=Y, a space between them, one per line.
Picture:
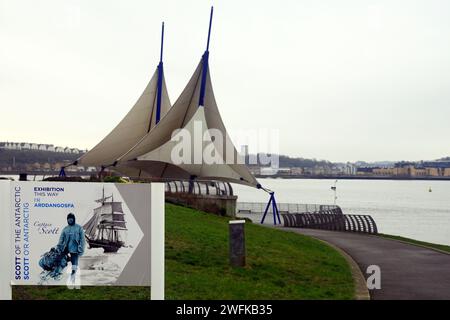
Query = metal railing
x=259 y=207
x=334 y=222
x=218 y=188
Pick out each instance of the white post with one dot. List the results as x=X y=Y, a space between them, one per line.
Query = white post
x=5 y=241
x=157 y=227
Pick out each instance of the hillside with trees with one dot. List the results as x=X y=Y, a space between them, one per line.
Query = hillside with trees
x=34 y=159
x=289 y=162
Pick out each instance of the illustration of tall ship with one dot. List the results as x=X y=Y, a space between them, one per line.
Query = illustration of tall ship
x=106 y=227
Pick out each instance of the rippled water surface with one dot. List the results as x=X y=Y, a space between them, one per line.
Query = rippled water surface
x=405 y=208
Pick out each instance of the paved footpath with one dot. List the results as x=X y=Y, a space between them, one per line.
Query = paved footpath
x=407 y=271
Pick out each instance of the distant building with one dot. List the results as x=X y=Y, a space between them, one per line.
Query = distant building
x=321 y=170
x=335 y=170
x=385 y=171
x=437 y=168
x=244 y=150
x=72 y=169
x=365 y=170
x=410 y=169
x=413 y=169
x=297 y=170
x=268 y=171
x=37 y=147
x=25 y=146
x=254 y=170
x=46 y=166
x=13 y=146
x=284 y=171
x=349 y=169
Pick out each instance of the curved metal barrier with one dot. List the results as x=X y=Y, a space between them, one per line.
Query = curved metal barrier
x=218 y=188
x=331 y=221
x=259 y=207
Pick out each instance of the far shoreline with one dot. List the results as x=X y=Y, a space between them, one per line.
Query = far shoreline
x=351 y=177
x=258 y=176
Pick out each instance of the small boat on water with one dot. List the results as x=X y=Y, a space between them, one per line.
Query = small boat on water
x=106 y=227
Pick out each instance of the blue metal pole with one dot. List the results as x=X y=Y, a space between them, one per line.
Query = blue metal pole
x=162 y=43
x=276 y=209
x=209 y=30
x=205 y=59
x=267 y=209
x=160 y=77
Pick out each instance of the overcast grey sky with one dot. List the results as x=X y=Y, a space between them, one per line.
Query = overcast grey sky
x=341 y=80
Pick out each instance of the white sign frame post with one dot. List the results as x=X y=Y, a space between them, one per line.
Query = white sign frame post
x=5 y=241
x=157 y=231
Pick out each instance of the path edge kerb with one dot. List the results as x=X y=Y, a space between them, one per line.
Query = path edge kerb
x=361 y=291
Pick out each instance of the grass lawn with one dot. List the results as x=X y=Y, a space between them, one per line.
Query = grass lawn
x=422 y=243
x=280 y=265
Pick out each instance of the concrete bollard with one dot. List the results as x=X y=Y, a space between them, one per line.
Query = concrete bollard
x=237 y=243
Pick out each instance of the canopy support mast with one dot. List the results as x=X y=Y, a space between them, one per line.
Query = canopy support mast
x=205 y=58
x=160 y=78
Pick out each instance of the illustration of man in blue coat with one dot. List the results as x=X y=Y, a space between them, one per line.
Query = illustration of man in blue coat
x=72 y=242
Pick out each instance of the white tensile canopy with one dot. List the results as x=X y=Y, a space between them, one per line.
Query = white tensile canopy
x=135 y=125
x=152 y=155
x=143 y=146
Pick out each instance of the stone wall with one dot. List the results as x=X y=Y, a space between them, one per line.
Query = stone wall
x=220 y=205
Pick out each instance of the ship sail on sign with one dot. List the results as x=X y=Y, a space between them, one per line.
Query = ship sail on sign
x=106 y=227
